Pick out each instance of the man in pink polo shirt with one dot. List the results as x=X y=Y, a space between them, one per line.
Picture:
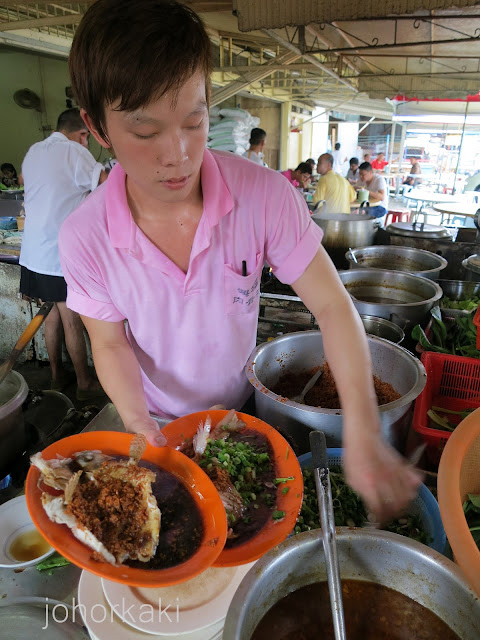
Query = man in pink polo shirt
x=163 y=244
x=301 y=175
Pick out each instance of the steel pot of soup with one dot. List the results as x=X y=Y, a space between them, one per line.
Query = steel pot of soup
x=393 y=589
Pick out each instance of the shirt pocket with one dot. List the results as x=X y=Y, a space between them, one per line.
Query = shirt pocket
x=242 y=293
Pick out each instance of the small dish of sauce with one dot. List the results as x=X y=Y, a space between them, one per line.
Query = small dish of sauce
x=28 y=545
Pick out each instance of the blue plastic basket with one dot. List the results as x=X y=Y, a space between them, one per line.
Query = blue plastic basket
x=424 y=505
x=7 y=223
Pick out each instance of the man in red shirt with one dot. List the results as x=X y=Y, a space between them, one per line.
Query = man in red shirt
x=379 y=163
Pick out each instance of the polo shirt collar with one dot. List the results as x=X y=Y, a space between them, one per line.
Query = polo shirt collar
x=217 y=200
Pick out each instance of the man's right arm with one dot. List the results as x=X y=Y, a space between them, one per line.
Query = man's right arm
x=119 y=374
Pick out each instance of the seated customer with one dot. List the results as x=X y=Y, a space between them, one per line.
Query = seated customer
x=415 y=170
x=353 y=174
x=336 y=191
x=9 y=175
x=300 y=177
x=379 y=163
x=377 y=188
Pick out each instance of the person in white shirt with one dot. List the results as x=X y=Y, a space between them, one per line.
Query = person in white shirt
x=377 y=188
x=58 y=173
x=353 y=174
x=339 y=159
x=257 y=143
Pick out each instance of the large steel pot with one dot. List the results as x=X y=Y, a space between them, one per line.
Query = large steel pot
x=13 y=392
x=392 y=258
x=472 y=267
x=302 y=351
x=364 y=554
x=344 y=230
x=383 y=328
x=401 y=297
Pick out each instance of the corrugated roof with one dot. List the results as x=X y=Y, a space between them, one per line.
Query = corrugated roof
x=275 y=14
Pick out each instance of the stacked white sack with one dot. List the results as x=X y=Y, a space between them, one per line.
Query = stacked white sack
x=230 y=129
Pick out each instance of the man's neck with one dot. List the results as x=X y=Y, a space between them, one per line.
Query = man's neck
x=256 y=148
x=146 y=207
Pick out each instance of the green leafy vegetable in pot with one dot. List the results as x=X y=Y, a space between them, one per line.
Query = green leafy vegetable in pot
x=469 y=304
x=349 y=510
x=457 y=338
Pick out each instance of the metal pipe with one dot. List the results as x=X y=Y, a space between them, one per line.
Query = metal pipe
x=460 y=150
x=366 y=125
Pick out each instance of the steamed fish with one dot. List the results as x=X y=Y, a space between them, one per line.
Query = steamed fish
x=108 y=504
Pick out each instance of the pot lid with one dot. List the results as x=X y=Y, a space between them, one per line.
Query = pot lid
x=418 y=230
x=472 y=263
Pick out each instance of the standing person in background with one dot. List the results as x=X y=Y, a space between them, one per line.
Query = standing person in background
x=59 y=173
x=339 y=159
x=332 y=188
x=257 y=144
x=415 y=170
x=379 y=163
x=377 y=188
x=353 y=174
x=300 y=177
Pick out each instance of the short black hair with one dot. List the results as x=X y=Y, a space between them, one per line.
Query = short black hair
x=304 y=167
x=311 y=161
x=337 y=146
x=353 y=161
x=70 y=121
x=365 y=166
x=257 y=135
x=7 y=166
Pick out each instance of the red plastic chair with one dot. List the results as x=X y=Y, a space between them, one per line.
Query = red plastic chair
x=398 y=216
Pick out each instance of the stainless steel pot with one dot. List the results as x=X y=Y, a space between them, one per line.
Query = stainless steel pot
x=344 y=230
x=401 y=297
x=472 y=267
x=13 y=392
x=419 y=230
x=391 y=258
x=383 y=329
x=364 y=554
x=302 y=351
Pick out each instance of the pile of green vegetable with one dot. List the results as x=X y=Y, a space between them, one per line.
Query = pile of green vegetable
x=471 y=509
x=244 y=464
x=469 y=304
x=456 y=338
x=438 y=418
x=348 y=509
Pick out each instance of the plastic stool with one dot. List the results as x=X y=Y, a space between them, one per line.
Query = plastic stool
x=398 y=216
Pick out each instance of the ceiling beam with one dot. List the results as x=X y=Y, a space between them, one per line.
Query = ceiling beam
x=35 y=23
x=46 y=45
x=308 y=57
x=245 y=68
x=25 y=3
x=256 y=74
x=394 y=45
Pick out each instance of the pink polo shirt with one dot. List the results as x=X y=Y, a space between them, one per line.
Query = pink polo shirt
x=191 y=333
x=288 y=176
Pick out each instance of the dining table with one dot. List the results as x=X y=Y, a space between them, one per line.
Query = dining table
x=466 y=210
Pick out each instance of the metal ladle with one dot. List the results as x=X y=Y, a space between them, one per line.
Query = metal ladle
x=327 y=521
x=301 y=397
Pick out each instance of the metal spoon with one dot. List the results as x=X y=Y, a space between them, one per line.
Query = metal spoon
x=327 y=521
x=300 y=398
x=354 y=257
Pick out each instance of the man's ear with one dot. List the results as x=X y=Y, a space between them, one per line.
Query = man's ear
x=106 y=144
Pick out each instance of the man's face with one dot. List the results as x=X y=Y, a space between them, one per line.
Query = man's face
x=304 y=177
x=381 y=156
x=354 y=167
x=366 y=176
x=323 y=166
x=412 y=160
x=161 y=145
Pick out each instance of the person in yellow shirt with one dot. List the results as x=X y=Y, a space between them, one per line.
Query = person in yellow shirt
x=337 y=192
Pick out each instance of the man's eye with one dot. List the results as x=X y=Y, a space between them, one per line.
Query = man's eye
x=143 y=137
x=195 y=126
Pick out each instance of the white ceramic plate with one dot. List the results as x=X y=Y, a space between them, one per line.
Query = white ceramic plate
x=188 y=607
x=103 y=624
x=14 y=521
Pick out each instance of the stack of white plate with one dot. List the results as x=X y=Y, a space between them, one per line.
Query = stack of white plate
x=193 y=610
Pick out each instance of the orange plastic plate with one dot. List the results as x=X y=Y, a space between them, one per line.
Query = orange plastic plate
x=193 y=478
x=286 y=464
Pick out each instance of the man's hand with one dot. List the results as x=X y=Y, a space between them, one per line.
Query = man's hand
x=150 y=429
x=385 y=481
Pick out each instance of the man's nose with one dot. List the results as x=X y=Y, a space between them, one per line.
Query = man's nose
x=172 y=150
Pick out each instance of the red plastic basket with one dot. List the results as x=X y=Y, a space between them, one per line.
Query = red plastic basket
x=453 y=382
x=476 y=322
